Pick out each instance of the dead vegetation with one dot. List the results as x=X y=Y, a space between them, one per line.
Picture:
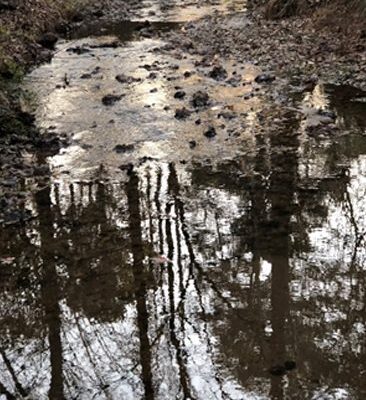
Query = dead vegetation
x=340 y=9
x=343 y=18
x=276 y=9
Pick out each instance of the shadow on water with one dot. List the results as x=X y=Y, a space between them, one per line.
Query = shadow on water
x=124 y=30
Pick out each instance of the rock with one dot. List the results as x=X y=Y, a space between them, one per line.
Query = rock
x=111 y=99
x=234 y=81
x=96 y=70
x=147 y=32
x=86 y=76
x=12 y=218
x=145 y=159
x=277 y=370
x=141 y=25
x=4 y=203
x=180 y=94
x=78 y=50
x=200 y=99
x=40 y=170
x=327 y=114
x=154 y=90
x=48 y=40
x=146 y=66
x=192 y=144
x=122 y=78
x=187 y=74
x=8 y=182
x=127 y=167
x=62 y=28
x=124 y=148
x=26 y=118
x=290 y=365
x=227 y=115
x=210 y=133
x=8 y=5
x=218 y=73
x=77 y=17
x=152 y=75
x=107 y=45
x=182 y=113
x=98 y=13
x=265 y=78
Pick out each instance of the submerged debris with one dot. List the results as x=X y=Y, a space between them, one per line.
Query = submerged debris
x=111 y=99
x=210 y=133
x=218 y=73
x=182 y=113
x=122 y=78
x=277 y=370
x=124 y=148
x=200 y=99
x=265 y=78
x=78 y=50
x=180 y=94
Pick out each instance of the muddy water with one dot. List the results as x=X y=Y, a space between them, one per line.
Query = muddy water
x=154 y=269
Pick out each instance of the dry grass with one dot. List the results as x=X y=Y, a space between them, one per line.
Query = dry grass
x=276 y=9
x=346 y=21
x=287 y=8
x=344 y=18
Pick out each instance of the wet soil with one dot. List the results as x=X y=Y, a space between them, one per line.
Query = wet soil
x=201 y=234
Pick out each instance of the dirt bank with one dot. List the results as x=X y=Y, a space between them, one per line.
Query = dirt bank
x=292 y=48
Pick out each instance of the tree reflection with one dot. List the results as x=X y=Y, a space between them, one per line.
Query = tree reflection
x=50 y=293
x=266 y=267
x=139 y=282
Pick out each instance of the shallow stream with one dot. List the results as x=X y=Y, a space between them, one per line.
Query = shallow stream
x=164 y=264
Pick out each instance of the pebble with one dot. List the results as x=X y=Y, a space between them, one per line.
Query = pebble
x=210 y=133
x=182 y=113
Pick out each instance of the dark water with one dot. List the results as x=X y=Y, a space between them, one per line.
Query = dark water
x=123 y=30
x=260 y=293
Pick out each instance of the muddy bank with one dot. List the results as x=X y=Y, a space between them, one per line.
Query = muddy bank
x=22 y=24
x=29 y=31
x=290 y=48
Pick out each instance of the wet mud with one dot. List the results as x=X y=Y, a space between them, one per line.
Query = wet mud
x=215 y=256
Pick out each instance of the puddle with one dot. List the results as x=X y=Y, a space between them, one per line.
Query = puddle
x=347 y=103
x=144 y=116
x=158 y=269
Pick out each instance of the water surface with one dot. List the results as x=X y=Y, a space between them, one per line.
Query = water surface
x=229 y=270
